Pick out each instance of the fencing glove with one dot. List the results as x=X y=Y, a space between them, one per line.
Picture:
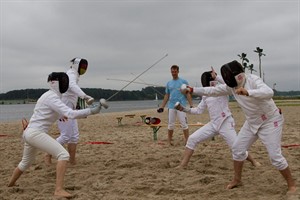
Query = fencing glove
x=179 y=107
x=88 y=99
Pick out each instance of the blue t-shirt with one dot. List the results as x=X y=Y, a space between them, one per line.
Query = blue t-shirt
x=173 y=89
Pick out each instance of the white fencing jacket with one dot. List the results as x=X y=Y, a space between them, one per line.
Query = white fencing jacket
x=74 y=91
x=257 y=107
x=50 y=108
x=217 y=107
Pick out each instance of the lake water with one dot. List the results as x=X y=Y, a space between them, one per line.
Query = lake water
x=19 y=111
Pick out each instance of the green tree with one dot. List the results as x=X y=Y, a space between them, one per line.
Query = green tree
x=244 y=60
x=260 y=54
x=251 y=68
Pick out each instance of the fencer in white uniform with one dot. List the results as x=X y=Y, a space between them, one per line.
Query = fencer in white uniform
x=69 y=133
x=48 y=109
x=263 y=119
x=221 y=120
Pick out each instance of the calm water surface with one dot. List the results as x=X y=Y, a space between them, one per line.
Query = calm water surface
x=19 y=111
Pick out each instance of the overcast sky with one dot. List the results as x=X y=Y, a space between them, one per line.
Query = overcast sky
x=122 y=39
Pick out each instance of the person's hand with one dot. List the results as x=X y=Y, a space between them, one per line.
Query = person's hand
x=88 y=99
x=95 y=109
x=160 y=110
x=186 y=89
x=241 y=91
x=63 y=119
x=179 y=107
x=213 y=73
x=103 y=103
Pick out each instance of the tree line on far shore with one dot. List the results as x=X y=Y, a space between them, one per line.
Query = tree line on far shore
x=148 y=93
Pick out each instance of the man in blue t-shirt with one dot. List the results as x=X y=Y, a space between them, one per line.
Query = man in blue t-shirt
x=174 y=95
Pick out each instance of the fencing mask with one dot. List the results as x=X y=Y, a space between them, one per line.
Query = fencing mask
x=207 y=80
x=80 y=65
x=62 y=78
x=233 y=74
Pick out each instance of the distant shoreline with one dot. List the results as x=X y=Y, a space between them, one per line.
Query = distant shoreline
x=32 y=101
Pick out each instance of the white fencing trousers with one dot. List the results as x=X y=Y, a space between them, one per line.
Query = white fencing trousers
x=37 y=140
x=208 y=131
x=173 y=113
x=270 y=134
x=69 y=132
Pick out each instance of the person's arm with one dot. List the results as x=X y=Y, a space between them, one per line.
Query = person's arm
x=261 y=91
x=74 y=87
x=215 y=76
x=189 y=99
x=220 y=90
x=220 y=79
x=200 y=108
x=58 y=106
x=188 y=95
x=165 y=100
x=163 y=104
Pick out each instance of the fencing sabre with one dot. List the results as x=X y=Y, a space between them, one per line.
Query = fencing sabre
x=137 y=77
x=142 y=83
x=151 y=87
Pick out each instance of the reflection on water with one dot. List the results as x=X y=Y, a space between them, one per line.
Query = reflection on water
x=19 y=111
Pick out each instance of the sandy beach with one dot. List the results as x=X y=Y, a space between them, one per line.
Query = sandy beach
x=124 y=162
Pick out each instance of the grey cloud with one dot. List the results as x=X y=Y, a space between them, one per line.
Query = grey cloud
x=119 y=38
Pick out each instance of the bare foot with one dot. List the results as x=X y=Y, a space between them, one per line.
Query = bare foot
x=62 y=194
x=292 y=194
x=292 y=190
x=256 y=164
x=12 y=185
x=181 y=167
x=234 y=183
x=47 y=159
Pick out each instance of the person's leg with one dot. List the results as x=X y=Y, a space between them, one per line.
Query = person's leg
x=270 y=135
x=64 y=128
x=171 y=124
x=194 y=139
x=228 y=133
x=253 y=161
x=170 y=137
x=15 y=176
x=238 y=167
x=184 y=125
x=28 y=157
x=74 y=137
x=46 y=143
x=60 y=174
x=72 y=151
x=243 y=141
x=186 y=157
x=185 y=135
x=287 y=175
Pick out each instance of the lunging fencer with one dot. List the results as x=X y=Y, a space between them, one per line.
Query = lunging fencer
x=69 y=132
x=264 y=120
x=48 y=109
x=221 y=120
